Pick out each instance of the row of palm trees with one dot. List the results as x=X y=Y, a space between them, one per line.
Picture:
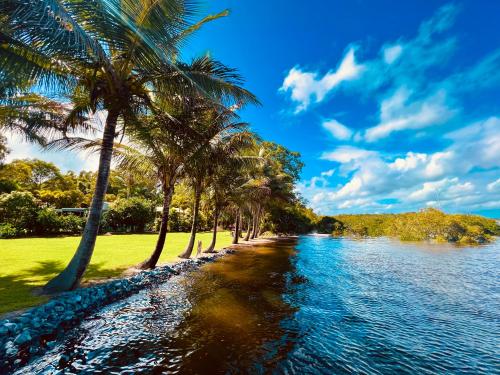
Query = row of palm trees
x=63 y=61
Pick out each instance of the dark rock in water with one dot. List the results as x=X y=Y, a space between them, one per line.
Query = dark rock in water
x=10 y=349
x=3 y=330
x=23 y=338
x=12 y=327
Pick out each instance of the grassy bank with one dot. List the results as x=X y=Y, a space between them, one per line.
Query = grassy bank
x=28 y=263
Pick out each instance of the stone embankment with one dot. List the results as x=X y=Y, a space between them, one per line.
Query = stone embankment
x=37 y=329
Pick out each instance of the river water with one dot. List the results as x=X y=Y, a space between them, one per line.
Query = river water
x=315 y=305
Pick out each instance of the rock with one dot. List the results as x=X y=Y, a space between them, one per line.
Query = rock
x=8 y=345
x=12 y=327
x=35 y=323
x=34 y=349
x=23 y=338
x=3 y=330
x=11 y=352
x=51 y=344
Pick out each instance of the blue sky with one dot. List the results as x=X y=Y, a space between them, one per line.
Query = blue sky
x=394 y=105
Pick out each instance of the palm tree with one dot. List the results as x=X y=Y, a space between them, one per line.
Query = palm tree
x=102 y=55
x=160 y=145
x=224 y=138
x=226 y=181
x=157 y=150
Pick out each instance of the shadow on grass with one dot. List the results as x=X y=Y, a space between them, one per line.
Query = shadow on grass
x=21 y=290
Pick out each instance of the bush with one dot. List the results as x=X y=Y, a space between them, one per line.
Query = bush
x=7 y=186
x=48 y=222
x=132 y=214
x=72 y=224
x=178 y=221
x=328 y=225
x=19 y=209
x=8 y=231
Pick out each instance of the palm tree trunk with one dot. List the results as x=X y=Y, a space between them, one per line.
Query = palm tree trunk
x=259 y=228
x=168 y=192
x=211 y=248
x=70 y=277
x=237 y=227
x=249 y=229
x=255 y=222
x=194 y=227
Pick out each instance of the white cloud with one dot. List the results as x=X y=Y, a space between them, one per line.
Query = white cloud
x=307 y=86
x=478 y=144
x=442 y=189
x=397 y=113
x=392 y=53
x=458 y=178
x=494 y=186
x=345 y=154
x=328 y=173
x=337 y=129
x=414 y=93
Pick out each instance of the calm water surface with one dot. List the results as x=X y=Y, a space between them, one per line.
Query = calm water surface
x=318 y=305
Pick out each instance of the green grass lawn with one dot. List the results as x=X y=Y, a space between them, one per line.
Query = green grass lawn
x=28 y=263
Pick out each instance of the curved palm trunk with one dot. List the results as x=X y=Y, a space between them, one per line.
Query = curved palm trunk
x=236 y=228
x=70 y=277
x=168 y=192
x=194 y=227
x=210 y=249
x=249 y=229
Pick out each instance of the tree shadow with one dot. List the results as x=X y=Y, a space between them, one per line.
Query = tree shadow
x=23 y=289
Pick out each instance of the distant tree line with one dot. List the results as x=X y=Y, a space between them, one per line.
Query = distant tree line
x=426 y=225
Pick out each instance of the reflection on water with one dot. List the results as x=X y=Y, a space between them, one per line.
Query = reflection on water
x=317 y=305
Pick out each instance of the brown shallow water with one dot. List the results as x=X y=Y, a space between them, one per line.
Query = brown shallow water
x=237 y=308
x=213 y=320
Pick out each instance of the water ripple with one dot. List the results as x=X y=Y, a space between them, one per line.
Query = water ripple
x=317 y=306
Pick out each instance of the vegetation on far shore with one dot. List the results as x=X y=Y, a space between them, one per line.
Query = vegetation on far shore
x=426 y=225
x=28 y=263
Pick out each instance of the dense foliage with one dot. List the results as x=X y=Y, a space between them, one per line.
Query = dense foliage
x=426 y=225
x=131 y=215
x=22 y=214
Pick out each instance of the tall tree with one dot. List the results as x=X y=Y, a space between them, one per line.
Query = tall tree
x=104 y=56
x=224 y=138
x=226 y=181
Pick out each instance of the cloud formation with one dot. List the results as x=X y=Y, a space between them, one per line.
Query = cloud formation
x=305 y=87
x=337 y=130
x=461 y=177
x=420 y=95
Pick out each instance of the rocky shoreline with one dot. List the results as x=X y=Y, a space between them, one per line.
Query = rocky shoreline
x=37 y=329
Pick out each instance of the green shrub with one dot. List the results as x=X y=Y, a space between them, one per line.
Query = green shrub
x=20 y=209
x=8 y=231
x=48 y=222
x=328 y=224
x=131 y=215
x=72 y=224
x=178 y=221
